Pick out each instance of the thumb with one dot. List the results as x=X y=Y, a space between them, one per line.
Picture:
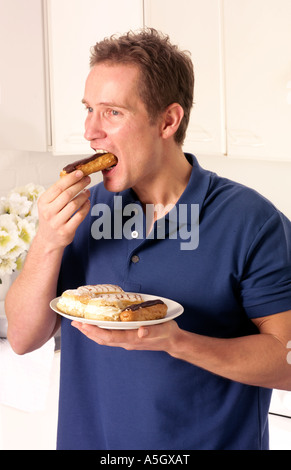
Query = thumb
x=142 y=332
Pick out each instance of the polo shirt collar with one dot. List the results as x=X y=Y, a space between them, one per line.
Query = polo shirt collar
x=198 y=185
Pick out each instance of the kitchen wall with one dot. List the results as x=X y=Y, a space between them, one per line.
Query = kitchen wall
x=272 y=179
x=18 y=168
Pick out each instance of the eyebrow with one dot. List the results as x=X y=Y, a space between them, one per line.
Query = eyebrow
x=108 y=103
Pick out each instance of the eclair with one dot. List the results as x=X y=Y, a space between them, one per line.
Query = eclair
x=145 y=311
x=73 y=302
x=98 y=289
x=109 y=302
x=107 y=307
x=88 y=165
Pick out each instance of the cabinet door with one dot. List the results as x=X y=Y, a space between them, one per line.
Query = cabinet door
x=74 y=27
x=195 y=26
x=23 y=113
x=258 y=78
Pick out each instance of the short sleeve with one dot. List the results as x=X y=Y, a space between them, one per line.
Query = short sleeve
x=266 y=283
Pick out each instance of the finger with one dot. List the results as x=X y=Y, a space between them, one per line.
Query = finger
x=49 y=210
x=158 y=331
x=78 y=217
x=143 y=332
x=120 y=338
x=99 y=335
x=71 y=208
x=62 y=185
x=69 y=194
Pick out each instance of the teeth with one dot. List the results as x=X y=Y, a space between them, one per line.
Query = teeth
x=101 y=151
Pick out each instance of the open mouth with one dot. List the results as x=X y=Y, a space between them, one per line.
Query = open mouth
x=110 y=168
x=101 y=152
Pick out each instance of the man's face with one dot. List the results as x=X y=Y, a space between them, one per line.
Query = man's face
x=118 y=122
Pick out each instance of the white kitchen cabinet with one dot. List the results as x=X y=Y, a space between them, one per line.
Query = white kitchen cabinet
x=241 y=55
x=258 y=78
x=74 y=26
x=196 y=26
x=240 y=50
x=44 y=50
x=23 y=91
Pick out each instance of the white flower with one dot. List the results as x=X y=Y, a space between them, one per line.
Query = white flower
x=7 y=266
x=18 y=225
x=26 y=231
x=17 y=204
x=30 y=191
x=8 y=234
x=2 y=205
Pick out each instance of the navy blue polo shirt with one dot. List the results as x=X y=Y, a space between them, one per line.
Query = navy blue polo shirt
x=235 y=268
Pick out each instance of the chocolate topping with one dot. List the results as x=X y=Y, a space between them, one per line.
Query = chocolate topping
x=73 y=166
x=148 y=303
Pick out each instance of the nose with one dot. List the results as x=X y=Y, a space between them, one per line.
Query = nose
x=93 y=128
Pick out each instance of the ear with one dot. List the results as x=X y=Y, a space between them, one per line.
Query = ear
x=171 y=120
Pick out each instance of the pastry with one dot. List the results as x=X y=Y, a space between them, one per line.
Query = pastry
x=109 y=306
x=97 y=162
x=98 y=289
x=108 y=302
x=73 y=302
x=149 y=310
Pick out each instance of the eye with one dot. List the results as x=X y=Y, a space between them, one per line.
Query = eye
x=113 y=112
x=88 y=109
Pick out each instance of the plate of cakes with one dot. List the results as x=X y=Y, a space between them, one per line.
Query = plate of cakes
x=109 y=306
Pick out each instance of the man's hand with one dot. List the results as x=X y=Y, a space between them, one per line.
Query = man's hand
x=259 y=359
x=62 y=208
x=160 y=337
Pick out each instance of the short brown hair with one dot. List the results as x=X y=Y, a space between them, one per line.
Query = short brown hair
x=167 y=74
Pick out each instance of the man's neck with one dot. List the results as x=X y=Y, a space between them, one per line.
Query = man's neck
x=166 y=188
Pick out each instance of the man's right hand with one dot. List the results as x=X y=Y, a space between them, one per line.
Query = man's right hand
x=62 y=208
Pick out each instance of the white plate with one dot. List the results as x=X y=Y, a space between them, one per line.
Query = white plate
x=174 y=310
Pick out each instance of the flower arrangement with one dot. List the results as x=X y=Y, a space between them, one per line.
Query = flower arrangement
x=18 y=225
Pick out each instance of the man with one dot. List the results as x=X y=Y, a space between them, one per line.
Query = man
x=203 y=381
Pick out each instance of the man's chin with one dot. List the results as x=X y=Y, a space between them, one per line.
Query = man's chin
x=113 y=187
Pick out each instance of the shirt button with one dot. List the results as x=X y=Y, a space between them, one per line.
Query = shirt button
x=134 y=234
x=135 y=259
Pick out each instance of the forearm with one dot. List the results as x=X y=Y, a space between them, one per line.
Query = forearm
x=259 y=360
x=31 y=322
x=62 y=208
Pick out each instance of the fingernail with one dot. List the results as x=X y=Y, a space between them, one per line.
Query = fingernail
x=79 y=174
